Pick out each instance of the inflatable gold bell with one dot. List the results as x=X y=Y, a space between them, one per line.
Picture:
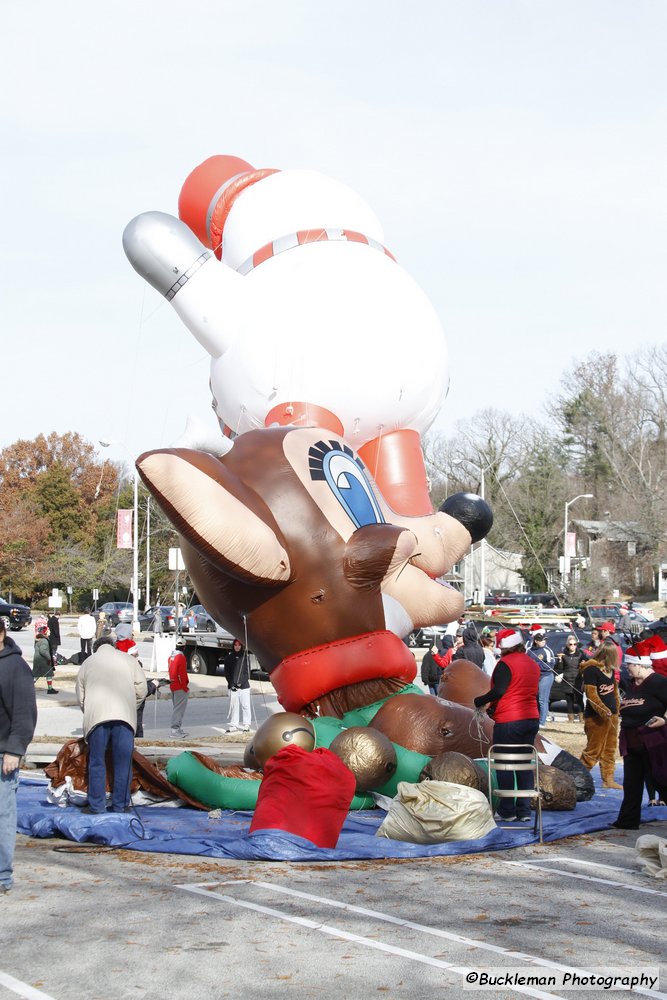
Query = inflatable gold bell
x=279 y=731
x=370 y=756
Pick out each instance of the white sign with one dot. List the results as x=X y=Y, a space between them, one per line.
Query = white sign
x=55 y=602
x=163 y=647
x=176 y=559
x=96 y=595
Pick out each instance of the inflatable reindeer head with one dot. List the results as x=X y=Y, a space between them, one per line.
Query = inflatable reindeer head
x=292 y=548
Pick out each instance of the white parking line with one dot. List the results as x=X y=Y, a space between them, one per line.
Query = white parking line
x=593 y=864
x=535 y=866
x=414 y=956
x=22 y=989
x=398 y=921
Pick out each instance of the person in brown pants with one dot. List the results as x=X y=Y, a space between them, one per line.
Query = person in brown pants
x=601 y=714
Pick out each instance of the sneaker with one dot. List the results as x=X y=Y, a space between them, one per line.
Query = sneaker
x=52 y=691
x=504 y=819
x=178 y=734
x=246 y=729
x=551 y=718
x=524 y=819
x=4 y=889
x=92 y=812
x=232 y=729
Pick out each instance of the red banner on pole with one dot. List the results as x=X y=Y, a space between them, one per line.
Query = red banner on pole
x=124 y=530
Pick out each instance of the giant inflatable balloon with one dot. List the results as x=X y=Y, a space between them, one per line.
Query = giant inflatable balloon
x=306 y=528
x=307 y=316
x=290 y=544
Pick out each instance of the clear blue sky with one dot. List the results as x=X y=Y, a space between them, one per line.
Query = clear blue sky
x=514 y=150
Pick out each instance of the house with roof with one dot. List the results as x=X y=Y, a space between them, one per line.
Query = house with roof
x=615 y=555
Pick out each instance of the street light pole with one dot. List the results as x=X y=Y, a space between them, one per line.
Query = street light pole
x=566 y=556
x=135 y=555
x=147 y=596
x=482 y=469
x=135 y=536
x=482 y=554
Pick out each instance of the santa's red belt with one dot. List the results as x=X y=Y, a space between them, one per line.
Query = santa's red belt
x=307 y=676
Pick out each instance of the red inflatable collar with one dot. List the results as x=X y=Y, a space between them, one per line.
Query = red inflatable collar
x=307 y=676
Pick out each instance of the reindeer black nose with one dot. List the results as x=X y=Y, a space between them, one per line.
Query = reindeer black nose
x=470 y=511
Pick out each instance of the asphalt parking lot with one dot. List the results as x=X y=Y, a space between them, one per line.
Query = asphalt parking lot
x=83 y=922
x=89 y=922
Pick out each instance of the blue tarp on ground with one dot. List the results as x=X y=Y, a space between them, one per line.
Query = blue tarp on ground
x=187 y=831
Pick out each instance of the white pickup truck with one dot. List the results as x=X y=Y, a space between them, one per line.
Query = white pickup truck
x=203 y=651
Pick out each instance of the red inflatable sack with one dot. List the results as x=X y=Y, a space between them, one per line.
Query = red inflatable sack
x=307 y=793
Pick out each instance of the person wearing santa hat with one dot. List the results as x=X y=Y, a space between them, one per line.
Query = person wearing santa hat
x=515 y=712
x=658 y=654
x=643 y=739
x=657 y=650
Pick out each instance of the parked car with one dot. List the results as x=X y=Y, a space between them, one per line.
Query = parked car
x=203 y=621
x=523 y=600
x=117 y=611
x=598 y=613
x=147 y=618
x=15 y=616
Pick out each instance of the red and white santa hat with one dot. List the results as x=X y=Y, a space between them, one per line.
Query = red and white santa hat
x=535 y=629
x=658 y=653
x=639 y=654
x=508 y=637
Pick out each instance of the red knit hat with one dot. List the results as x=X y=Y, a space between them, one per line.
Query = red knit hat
x=508 y=637
x=607 y=627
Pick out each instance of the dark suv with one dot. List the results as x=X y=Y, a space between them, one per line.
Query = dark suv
x=15 y=616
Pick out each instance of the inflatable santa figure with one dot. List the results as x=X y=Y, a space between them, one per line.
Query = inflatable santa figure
x=307 y=316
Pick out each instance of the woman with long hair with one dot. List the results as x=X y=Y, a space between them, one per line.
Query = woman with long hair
x=601 y=714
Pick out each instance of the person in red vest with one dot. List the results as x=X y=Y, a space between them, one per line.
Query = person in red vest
x=178 y=677
x=515 y=712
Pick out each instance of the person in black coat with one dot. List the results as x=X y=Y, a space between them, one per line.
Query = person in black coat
x=431 y=672
x=53 y=623
x=18 y=717
x=471 y=649
x=567 y=666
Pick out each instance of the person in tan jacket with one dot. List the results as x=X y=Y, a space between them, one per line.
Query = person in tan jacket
x=601 y=715
x=109 y=686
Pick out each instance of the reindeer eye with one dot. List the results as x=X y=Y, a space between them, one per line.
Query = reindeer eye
x=344 y=472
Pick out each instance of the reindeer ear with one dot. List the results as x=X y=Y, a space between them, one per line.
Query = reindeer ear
x=375 y=552
x=218 y=515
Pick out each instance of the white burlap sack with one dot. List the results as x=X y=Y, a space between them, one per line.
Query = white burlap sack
x=652 y=851
x=433 y=812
